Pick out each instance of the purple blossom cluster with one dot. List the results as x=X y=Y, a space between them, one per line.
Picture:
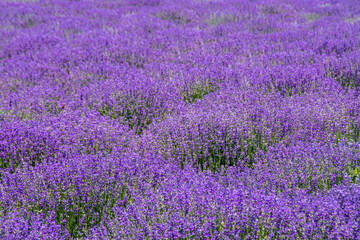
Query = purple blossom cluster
x=188 y=119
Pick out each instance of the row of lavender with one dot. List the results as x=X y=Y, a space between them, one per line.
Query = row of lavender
x=159 y=119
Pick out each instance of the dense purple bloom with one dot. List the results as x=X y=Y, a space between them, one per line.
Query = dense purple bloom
x=189 y=119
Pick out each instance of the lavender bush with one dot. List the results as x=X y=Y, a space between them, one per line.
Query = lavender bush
x=189 y=119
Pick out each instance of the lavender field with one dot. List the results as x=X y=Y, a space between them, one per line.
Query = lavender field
x=179 y=119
